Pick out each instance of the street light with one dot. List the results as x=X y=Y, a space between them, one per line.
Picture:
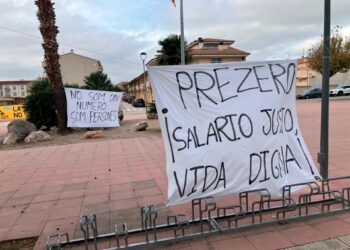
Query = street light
x=323 y=154
x=143 y=57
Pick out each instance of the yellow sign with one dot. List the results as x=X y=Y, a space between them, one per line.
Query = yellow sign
x=12 y=112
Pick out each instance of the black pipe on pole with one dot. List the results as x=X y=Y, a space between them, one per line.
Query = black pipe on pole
x=182 y=33
x=323 y=155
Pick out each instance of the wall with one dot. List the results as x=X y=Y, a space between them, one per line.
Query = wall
x=136 y=88
x=207 y=59
x=75 y=68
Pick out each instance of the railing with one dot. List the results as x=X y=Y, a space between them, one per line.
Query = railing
x=214 y=219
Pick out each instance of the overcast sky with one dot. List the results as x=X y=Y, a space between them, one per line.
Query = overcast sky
x=116 y=31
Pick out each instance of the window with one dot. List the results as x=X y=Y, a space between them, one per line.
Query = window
x=14 y=93
x=7 y=91
x=210 y=46
x=23 y=94
x=13 y=87
x=1 y=92
x=22 y=87
x=216 y=60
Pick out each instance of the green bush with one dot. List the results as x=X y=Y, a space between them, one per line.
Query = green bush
x=40 y=104
x=100 y=81
x=151 y=109
x=74 y=86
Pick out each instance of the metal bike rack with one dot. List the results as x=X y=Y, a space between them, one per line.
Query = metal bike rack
x=209 y=218
x=85 y=222
x=55 y=240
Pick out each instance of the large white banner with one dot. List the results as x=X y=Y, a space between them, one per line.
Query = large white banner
x=92 y=108
x=229 y=128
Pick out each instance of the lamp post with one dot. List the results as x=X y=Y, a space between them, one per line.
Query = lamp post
x=323 y=154
x=143 y=57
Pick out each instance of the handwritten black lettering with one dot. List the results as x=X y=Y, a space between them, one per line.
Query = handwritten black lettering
x=260 y=79
x=203 y=90
x=182 y=87
x=222 y=85
x=206 y=178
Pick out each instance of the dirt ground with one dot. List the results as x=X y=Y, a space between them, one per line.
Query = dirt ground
x=126 y=130
x=23 y=244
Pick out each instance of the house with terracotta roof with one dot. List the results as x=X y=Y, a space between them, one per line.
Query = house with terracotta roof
x=211 y=50
x=202 y=50
x=304 y=75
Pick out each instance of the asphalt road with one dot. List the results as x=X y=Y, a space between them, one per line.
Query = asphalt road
x=128 y=109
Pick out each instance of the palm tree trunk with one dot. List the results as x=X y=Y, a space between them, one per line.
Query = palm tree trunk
x=49 y=31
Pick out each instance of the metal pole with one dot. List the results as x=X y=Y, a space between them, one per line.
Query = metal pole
x=144 y=84
x=182 y=33
x=323 y=155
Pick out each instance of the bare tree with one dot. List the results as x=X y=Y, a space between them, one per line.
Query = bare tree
x=340 y=54
x=49 y=31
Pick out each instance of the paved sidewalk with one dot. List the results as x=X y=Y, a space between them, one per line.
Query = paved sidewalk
x=44 y=190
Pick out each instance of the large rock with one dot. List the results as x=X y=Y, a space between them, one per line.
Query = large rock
x=37 y=136
x=9 y=139
x=141 y=126
x=20 y=129
x=53 y=130
x=94 y=134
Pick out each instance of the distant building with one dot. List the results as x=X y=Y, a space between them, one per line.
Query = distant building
x=304 y=75
x=211 y=50
x=74 y=68
x=136 y=88
x=334 y=81
x=4 y=101
x=307 y=78
x=15 y=90
x=202 y=50
x=123 y=85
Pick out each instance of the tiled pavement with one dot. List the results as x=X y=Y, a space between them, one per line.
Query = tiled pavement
x=45 y=190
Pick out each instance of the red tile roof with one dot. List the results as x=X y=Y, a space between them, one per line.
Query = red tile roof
x=208 y=40
x=302 y=60
x=212 y=52
x=16 y=82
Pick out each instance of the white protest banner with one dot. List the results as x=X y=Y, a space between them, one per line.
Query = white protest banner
x=92 y=108
x=229 y=128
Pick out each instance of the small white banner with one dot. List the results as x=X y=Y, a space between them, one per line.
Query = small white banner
x=92 y=108
x=229 y=128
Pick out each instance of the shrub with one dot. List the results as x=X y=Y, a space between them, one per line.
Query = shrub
x=152 y=108
x=100 y=81
x=40 y=104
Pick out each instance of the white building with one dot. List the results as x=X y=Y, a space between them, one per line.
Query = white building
x=16 y=90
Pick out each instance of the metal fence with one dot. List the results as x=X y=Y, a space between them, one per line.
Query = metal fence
x=253 y=208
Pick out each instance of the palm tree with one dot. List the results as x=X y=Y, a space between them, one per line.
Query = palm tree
x=99 y=81
x=49 y=31
x=170 y=53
